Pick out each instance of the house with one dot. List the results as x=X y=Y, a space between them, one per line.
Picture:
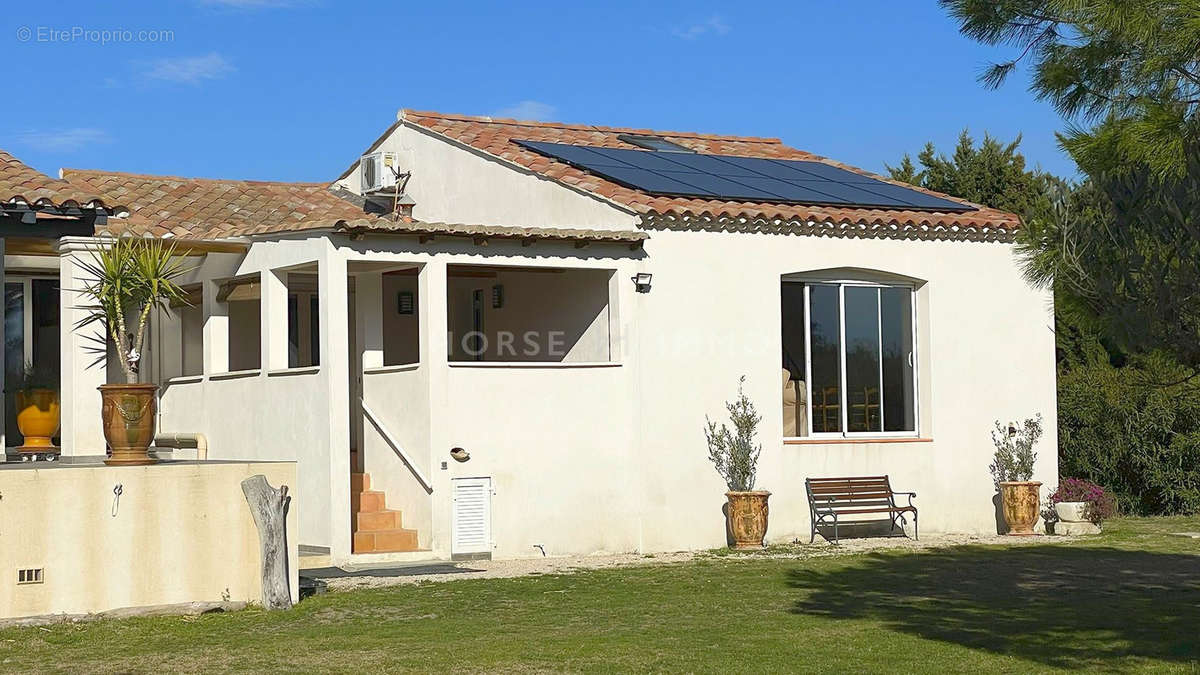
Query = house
x=496 y=337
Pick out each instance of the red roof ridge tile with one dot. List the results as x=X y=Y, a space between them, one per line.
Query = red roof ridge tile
x=67 y=174
x=407 y=114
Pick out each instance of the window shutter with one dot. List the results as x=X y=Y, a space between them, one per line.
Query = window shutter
x=472 y=516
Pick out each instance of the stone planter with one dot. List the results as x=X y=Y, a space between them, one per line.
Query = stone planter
x=37 y=418
x=1071 y=519
x=748 y=518
x=1071 y=512
x=1020 y=501
x=127 y=416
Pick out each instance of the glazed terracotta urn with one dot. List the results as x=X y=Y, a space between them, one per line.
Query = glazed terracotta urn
x=127 y=416
x=748 y=518
x=1020 y=500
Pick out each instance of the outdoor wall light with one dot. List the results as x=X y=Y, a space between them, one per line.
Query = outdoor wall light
x=459 y=454
x=641 y=281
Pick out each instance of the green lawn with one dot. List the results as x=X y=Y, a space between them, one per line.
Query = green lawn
x=1128 y=599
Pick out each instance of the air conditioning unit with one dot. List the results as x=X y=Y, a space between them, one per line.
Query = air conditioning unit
x=378 y=172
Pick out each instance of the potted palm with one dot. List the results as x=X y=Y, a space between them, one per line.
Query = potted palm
x=735 y=456
x=37 y=408
x=126 y=282
x=1012 y=472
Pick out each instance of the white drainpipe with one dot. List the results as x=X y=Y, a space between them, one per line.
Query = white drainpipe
x=182 y=440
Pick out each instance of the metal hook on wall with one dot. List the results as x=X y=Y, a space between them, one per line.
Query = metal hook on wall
x=118 y=489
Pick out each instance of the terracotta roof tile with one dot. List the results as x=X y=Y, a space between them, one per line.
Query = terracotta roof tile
x=210 y=208
x=22 y=183
x=495 y=137
x=204 y=208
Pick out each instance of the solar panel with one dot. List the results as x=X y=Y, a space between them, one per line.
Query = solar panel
x=741 y=178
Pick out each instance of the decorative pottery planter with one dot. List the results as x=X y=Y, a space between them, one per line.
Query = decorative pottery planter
x=748 y=518
x=127 y=415
x=1071 y=512
x=37 y=418
x=1020 y=501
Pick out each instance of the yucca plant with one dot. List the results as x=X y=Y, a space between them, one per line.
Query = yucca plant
x=126 y=281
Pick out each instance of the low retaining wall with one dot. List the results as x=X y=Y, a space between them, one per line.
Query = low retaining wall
x=178 y=532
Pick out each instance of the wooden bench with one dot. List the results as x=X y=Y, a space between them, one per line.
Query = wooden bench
x=831 y=498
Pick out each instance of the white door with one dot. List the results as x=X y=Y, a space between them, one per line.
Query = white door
x=471 y=532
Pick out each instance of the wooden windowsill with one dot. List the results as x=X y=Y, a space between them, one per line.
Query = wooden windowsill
x=857 y=441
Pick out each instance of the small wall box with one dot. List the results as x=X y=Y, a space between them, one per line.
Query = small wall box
x=405 y=303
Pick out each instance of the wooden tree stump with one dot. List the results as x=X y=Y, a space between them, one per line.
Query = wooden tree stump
x=269 y=506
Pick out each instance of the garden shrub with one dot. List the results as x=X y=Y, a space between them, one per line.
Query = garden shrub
x=1134 y=428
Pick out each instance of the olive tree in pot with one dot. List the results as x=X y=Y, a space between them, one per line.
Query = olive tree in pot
x=125 y=282
x=735 y=455
x=1012 y=471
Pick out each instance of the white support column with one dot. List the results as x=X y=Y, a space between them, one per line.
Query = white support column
x=274 y=320
x=333 y=309
x=216 y=330
x=367 y=352
x=81 y=374
x=434 y=340
x=368 y=299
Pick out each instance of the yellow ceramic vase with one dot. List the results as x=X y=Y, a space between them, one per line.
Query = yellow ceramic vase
x=37 y=418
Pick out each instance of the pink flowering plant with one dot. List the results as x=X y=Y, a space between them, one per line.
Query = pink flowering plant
x=1101 y=505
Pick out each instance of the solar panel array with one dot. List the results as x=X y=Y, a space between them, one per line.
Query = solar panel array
x=725 y=177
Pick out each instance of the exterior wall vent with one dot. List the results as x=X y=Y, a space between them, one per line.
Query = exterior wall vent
x=33 y=575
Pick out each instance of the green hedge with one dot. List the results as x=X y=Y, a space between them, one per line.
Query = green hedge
x=1130 y=430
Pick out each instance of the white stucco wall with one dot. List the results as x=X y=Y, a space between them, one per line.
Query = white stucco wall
x=274 y=412
x=558 y=440
x=178 y=533
x=713 y=315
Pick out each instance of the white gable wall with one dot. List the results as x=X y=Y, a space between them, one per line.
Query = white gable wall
x=454 y=184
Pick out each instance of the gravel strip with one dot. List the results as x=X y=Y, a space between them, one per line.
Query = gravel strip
x=503 y=569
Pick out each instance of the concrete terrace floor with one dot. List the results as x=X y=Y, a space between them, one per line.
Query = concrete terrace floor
x=1125 y=600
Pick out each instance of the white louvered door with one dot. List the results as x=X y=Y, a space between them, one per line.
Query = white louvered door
x=472 y=514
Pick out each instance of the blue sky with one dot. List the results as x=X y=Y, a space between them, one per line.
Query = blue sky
x=295 y=89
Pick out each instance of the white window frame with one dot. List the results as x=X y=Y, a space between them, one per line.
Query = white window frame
x=844 y=409
x=26 y=282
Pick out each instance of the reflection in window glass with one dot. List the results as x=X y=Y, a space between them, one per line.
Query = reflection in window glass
x=825 y=339
x=862 y=360
x=899 y=405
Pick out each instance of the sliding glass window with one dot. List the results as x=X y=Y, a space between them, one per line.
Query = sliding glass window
x=860 y=365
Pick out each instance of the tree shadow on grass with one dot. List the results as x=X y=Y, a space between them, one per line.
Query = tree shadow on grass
x=1060 y=606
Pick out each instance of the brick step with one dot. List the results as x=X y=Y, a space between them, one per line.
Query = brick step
x=360 y=482
x=385 y=541
x=368 y=501
x=376 y=521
